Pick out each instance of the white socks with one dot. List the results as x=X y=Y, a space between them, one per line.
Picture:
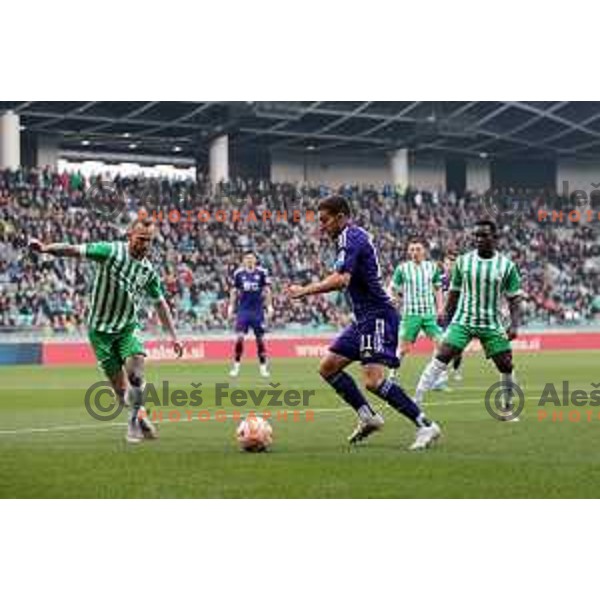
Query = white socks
x=365 y=413
x=432 y=373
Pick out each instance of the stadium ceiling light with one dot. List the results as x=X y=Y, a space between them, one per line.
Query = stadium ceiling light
x=85 y=142
x=133 y=146
x=311 y=148
x=483 y=155
x=177 y=149
x=127 y=135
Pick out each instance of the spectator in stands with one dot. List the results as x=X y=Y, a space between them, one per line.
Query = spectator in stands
x=560 y=265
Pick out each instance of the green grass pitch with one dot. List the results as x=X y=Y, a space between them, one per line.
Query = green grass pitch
x=51 y=448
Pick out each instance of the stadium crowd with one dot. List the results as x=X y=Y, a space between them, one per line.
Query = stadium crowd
x=559 y=263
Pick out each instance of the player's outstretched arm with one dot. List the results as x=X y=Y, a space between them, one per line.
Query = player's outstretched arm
x=333 y=283
x=59 y=250
x=166 y=318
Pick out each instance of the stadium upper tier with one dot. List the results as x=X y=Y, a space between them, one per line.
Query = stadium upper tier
x=197 y=254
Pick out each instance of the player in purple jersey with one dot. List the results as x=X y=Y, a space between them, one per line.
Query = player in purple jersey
x=372 y=339
x=250 y=294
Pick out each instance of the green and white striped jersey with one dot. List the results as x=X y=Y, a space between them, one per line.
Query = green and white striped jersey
x=417 y=284
x=482 y=282
x=121 y=282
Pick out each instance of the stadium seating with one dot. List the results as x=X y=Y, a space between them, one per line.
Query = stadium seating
x=560 y=265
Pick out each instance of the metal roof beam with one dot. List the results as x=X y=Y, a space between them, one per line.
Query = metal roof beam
x=182 y=119
x=322 y=136
x=466 y=106
x=124 y=118
x=583 y=123
x=507 y=138
x=306 y=110
x=23 y=106
x=68 y=115
x=390 y=120
x=524 y=125
x=345 y=118
x=275 y=128
x=364 y=115
x=556 y=118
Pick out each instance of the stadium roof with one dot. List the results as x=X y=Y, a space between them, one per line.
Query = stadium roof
x=468 y=128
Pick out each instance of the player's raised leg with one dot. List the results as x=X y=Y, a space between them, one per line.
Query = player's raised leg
x=332 y=370
x=140 y=426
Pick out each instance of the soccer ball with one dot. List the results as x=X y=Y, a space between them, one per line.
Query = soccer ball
x=254 y=435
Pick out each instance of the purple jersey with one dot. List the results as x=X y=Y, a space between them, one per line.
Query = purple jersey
x=446 y=281
x=250 y=286
x=358 y=257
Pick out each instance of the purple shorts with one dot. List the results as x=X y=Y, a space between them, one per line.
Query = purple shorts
x=245 y=322
x=371 y=340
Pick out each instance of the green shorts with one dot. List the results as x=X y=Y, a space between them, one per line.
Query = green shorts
x=412 y=325
x=113 y=349
x=493 y=341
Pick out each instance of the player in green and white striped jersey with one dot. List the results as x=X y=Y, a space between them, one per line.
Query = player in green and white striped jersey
x=419 y=284
x=124 y=276
x=479 y=281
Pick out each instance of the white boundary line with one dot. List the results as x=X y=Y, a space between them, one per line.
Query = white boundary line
x=76 y=427
x=83 y=426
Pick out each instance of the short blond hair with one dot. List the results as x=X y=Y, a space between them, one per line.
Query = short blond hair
x=144 y=222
